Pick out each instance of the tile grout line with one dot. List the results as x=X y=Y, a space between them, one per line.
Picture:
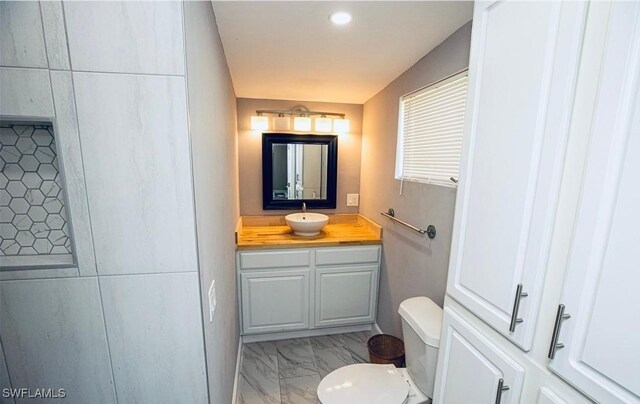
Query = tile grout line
x=6 y=365
x=312 y=355
x=86 y=196
x=278 y=375
x=281 y=379
x=3 y=66
x=315 y=360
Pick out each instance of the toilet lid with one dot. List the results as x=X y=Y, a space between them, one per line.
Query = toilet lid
x=363 y=383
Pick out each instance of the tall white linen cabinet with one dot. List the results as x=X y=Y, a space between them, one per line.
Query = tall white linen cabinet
x=542 y=302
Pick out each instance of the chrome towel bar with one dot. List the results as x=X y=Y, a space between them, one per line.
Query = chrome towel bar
x=430 y=231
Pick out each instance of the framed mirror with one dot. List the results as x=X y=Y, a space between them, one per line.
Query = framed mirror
x=297 y=169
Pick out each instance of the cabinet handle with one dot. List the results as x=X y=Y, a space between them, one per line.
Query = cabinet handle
x=555 y=345
x=516 y=306
x=501 y=388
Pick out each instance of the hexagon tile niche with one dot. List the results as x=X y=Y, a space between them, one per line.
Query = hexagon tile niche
x=33 y=217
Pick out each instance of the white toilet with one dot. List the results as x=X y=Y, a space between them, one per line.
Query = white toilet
x=386 y=384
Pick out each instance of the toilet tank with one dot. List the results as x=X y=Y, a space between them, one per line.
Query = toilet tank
x=421 y=327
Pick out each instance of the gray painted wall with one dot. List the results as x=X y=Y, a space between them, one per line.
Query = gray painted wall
x=212 y=113
x=250 y=153
x=412 y=265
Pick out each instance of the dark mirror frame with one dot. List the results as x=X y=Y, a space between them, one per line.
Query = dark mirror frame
x=268 y=140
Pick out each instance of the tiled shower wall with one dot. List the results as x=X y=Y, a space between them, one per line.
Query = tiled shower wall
x=123 y=324
x=33 y=216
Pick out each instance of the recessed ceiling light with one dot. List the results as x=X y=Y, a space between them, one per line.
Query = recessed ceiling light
x=340 y=17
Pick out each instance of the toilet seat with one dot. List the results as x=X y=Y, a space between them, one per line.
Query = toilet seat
x=363 y=383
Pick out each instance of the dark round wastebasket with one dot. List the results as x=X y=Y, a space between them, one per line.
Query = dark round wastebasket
x=386 y=349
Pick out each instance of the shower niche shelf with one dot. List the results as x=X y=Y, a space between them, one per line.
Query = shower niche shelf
x=34 y=225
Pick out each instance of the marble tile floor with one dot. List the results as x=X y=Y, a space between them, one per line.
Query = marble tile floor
x=288 y=371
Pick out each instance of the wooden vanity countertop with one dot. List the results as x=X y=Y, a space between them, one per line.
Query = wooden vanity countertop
x=265 y=232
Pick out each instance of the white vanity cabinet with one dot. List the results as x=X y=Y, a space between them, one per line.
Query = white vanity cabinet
x=547 y=396
x=473 y=370
x=282 y=290
x=346 y=285
x=345 y=295
x=275 y=300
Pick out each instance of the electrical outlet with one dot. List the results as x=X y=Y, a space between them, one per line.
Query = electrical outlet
x=353 y=199
x=212 y=300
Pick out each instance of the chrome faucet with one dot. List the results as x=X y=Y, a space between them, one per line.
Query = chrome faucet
x=304 y=207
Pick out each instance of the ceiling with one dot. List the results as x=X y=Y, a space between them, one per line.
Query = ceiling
x=289 y=50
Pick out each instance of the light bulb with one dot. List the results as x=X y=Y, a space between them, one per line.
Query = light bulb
x=281 y=123
x=302 y=123
x=341 y=125
x=323 y=124
x=340 y=17
x=259 y=122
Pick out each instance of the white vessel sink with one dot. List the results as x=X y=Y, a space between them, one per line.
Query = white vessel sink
x=306 y=224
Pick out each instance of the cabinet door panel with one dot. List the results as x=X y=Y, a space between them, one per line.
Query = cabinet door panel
x=274 y=259
x=601 y=354
x=346 y=295
x=523 y=64
x=470 y=367
x=348 y=255
x=275 y=301
x=547 y=396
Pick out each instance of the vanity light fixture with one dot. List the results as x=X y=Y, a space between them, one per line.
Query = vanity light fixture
x=323 y=124
x=340 y=17
x=259 y=122
x=302 y=123
x=341 y=125
x=281 y=122
x=301 y=120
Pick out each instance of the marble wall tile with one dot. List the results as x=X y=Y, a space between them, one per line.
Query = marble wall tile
x=126 y=37
x=259 y=381
x=134 y=128
x=53 y=335
x=5 y=383
x=33 y=273
x=295 y=358
x=21 y=40
x=71 y=163
x=330 y=359
x=300 y=390
x=154 y=326
x=25 y=92
x=55 y=35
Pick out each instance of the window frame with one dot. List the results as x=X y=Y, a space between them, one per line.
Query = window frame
x=398 y=175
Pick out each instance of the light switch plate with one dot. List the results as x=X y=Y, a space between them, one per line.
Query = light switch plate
x=212 y=300
x=353 y=199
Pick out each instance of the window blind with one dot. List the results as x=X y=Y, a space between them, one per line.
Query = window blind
x=431 y=122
